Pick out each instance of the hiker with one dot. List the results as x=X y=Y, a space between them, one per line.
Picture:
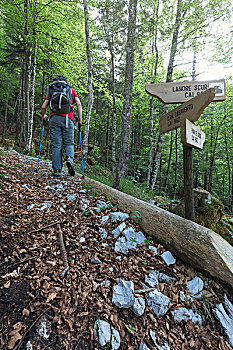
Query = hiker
x=61 y=99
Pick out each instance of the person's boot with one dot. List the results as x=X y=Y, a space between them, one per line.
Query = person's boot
x=70 y=166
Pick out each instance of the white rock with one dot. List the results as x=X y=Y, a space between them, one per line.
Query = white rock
x=139 y=306
x=101 y=205
x=29 y=346
x=158 y=302
x=119 y=229
x=119 y=216
x=102 y=331
x=225 y=320
x=121 y=246
x=104 y=219
x=195 y=287
x=44 y=328
x=104 y=233
x=168 y=258
x=152 y=278
x=123 y=294
x=183 y=314
x=96 y=260
x=151 y=247
x=116 y=339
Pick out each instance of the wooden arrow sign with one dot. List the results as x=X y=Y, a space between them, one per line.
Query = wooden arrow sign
x=181 y=92
x=190 y=110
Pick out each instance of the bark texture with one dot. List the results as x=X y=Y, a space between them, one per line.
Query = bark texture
x=90 y=86
x=122 y=169
x=194 y=244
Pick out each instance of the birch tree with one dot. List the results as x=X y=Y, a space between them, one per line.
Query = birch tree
x=90 y=87
x=179 y=14
x=122 y=169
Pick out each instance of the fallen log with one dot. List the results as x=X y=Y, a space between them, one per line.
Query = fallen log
x=194 y=244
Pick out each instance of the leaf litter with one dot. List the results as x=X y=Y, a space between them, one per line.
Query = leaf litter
x=34 y=293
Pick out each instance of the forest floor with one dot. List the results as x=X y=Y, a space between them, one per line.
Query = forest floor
x=40 y=309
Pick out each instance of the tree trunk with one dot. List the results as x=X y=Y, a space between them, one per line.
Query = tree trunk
x=154 y=74
x=122 y=169
x=6 y=107
x=32 y=80
x=90 y=87
x=168 y=163
x=173 y=51
x=108 y=137
x=194 y=244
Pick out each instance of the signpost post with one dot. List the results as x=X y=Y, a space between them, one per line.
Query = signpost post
x=195 y=96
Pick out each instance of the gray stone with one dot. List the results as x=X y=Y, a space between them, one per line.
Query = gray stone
x=118 y=257
x=166 y=278
x=158 y=302
x=121 y=246
x=31 y=206
x=96 y=260
x=105 y=245
x=44 y=328
x=139 y=306
x=71 y=197
x=119 y=229
x=82 y=240
x=123 y=294
x=143 y=347
x=228 y=306
x=116 y=339
x=152 y=278
x=111 y=269
x=165 y=345
x=101 y=205
x=225 y=319
x=104 y=219
x=168 y=258
x=84 y=204
x=102 y=331
x=84 y=247
x=183 y=314
x=29 y=345
x=151 y=247
x=83 y=191
x=195 y=287
x=133 y=238
x=105 y=283
x=119 y=216
x=104 y=233
x=186 y=298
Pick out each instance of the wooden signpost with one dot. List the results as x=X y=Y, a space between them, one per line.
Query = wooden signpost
x=183 y=91
x=190 y=110
x=195 y=96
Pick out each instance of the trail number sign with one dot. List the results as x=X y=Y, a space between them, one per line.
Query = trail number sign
x=183 y=91
x=191 y=135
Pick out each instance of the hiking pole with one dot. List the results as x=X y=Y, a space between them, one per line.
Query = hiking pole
x=40 y=145
x=79 y=128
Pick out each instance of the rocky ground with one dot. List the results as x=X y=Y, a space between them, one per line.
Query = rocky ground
x=121 y=291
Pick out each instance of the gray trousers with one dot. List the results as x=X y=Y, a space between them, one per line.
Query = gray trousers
x=60 y=133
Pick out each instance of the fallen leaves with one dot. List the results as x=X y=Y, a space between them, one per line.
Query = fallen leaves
x=29 y=239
